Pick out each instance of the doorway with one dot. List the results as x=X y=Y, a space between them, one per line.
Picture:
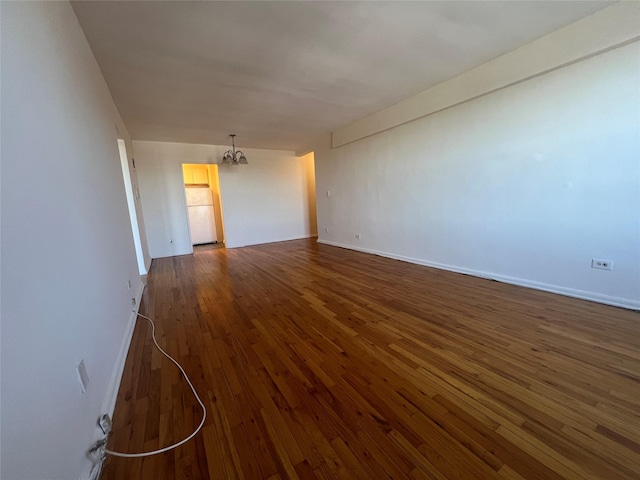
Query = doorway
x=204 y=208
x=131 y=203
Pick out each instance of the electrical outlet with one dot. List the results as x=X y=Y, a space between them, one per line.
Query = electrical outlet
x=601 y=264
x=104 y=422
x=328 y=193
x=358 y=236
x=326 y=229
x=83 y=376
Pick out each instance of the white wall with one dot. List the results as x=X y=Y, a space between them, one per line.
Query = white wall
x=614 y=26
x=265 y=201
x=526 y=184
x=67 y=246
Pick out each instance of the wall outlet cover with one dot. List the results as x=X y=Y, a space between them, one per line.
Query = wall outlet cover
x=601 y=264
x=104 y=422
x=83 y=376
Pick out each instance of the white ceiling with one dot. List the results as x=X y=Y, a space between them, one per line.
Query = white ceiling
x=281 y=73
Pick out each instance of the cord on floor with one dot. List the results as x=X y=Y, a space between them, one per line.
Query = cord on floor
x=100 y=447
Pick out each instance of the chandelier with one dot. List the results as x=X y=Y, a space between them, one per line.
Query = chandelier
x=233 y=157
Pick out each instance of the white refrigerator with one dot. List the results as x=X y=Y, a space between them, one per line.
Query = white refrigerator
x=202 y=220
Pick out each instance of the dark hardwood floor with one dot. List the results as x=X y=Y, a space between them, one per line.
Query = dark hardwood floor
x=319 y=362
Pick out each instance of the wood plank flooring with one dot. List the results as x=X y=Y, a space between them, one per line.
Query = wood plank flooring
x=317 y=362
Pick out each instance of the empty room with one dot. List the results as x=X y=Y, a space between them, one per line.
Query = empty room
x=320 y=240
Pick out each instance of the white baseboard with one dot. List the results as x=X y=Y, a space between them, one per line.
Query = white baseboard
x=569 y=292
x=147 y=265
x=109 y=403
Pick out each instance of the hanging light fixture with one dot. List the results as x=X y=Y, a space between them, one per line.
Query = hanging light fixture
x=233 y=157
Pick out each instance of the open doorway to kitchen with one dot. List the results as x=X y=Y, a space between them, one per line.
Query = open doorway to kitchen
x=310 y=187
x=204 y=208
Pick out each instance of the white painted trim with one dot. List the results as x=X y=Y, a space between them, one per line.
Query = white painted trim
x=288 y=239
x=109 y=404
x=131 y=204
x=612 y=27
x=522 y=282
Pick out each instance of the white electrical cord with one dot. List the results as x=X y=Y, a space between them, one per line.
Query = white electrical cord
x=204 y=410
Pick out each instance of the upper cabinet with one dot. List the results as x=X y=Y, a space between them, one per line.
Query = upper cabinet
x=195 y=174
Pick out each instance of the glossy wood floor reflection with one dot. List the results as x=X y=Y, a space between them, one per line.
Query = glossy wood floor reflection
x=317 y=362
